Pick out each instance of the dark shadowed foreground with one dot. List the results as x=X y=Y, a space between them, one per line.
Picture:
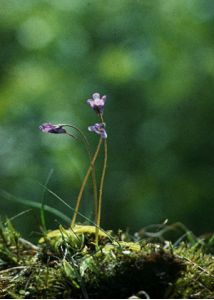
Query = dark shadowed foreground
x=66 y=264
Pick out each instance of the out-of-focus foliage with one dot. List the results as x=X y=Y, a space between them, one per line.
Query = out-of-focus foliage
x=154 y=60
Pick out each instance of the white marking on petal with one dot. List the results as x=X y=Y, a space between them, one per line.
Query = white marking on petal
x=95 y=96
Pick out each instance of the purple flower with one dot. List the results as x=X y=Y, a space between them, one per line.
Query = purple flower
x=50 y=128
x=99 y=128
x=97 y=102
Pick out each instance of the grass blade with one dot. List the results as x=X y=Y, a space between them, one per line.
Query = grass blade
x=33 y=204
x=42 y=210
x=78 y=213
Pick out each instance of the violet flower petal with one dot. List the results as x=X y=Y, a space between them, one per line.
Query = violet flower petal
x=51 y=128
x=98 y=128
x=97 y=102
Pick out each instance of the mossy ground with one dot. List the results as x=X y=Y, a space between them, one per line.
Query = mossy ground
x=67 y=264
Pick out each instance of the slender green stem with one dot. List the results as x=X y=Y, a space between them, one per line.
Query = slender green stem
x=80 y=131
x=101 y=189
x=85 y=181
x=94 y=181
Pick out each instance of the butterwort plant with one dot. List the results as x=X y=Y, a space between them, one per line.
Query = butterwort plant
x=97 y=103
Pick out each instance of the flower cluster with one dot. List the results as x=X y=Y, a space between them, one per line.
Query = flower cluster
x=97 y=103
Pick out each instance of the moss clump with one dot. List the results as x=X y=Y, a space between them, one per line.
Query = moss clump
x=67 y=264
x=198 y=279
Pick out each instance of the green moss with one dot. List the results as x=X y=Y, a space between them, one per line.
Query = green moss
x=66 y=264
x=198 y=279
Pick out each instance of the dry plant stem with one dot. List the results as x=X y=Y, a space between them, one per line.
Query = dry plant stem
x=101 y=189
x=85 y=181
x=94 y=181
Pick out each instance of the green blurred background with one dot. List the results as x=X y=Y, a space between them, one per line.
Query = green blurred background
x=154 y=60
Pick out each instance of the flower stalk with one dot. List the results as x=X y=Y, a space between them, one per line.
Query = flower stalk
x=98 y=220
x=85 y=182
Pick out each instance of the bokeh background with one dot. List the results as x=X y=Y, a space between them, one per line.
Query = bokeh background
x=154 y=60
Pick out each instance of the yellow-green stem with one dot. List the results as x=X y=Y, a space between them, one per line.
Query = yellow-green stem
x=100 y=194
x=84 y=182
x=101 y=189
